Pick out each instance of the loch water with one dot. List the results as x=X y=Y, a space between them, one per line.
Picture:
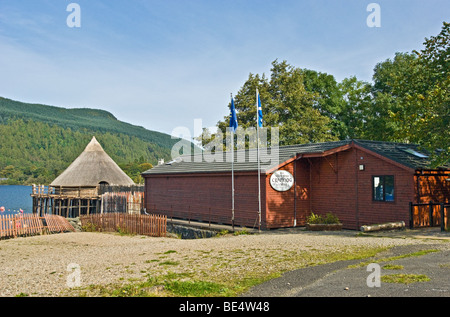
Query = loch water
x=15 y=197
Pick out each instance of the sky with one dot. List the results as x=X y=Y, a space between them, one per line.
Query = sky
x=162 y=64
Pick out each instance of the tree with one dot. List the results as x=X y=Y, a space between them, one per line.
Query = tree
x=433 y=105
x=351 y=120
x=393 y=80
x=286 y=104
x=328 y=98
x=412 y=98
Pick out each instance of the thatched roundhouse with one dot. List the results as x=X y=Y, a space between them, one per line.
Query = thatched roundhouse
x=92 y=168
x=93 y=183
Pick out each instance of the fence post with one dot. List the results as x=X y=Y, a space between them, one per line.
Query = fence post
x=430 y=210
x=411 y=216
x=443 y=222
x=14 y=227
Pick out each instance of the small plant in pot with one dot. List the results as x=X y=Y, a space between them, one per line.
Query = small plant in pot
x=329 y=222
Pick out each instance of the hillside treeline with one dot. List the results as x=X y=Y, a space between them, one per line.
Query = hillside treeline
x=76 y=119
x=37 y=152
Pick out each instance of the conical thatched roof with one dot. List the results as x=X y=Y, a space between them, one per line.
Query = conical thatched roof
x=92 y=167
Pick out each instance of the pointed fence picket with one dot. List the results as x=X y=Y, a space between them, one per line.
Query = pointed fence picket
x=12 y=226
x=149 y=225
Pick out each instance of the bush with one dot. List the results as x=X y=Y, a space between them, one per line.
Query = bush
x=89 y=227
x=318 y=219
x=331 y=218
x=314 y=219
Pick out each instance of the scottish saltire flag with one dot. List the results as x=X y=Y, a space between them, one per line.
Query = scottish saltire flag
x=233 y=117
x=259 y=109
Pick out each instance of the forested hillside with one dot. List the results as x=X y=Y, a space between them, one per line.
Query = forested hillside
x=38 y=142
x=76 y=119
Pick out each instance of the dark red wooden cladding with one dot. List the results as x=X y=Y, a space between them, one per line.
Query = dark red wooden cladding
x=340 y=183
x=205 y=197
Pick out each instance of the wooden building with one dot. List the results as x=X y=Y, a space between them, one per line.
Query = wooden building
x=361 y=182
x=78 y=190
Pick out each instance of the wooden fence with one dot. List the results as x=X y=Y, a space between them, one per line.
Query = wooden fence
x=429 y=215
x=125 y=202
x=12 y=226
x=55 y=224
x=149 y=225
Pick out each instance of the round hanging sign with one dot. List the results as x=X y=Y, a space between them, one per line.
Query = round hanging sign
x=281 y=181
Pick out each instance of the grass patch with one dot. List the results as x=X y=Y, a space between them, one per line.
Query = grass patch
x=248 y=282
x=404 y=278
x=196 y=288
x=175 y=285
x=170 y=251
x=168 y=262
x=228 y=273
x=393 y=267
x=393 y=258
x=241 y=232
x=222 y=233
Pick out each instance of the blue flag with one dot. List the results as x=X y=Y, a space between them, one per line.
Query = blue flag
x=233 y=117
x=259 y=109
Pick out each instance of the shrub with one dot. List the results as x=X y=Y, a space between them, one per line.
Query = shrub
x=89 y=227
x=329 y=218
x=314 y=219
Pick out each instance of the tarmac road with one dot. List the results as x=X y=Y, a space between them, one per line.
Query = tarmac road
x=337 y=280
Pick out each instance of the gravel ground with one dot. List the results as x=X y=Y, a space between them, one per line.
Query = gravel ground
x=38 y=266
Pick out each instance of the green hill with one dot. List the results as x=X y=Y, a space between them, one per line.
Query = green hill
x=91 y=119
x=37 y=142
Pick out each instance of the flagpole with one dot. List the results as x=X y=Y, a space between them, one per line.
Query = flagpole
x=259 y=173
x=232 y=174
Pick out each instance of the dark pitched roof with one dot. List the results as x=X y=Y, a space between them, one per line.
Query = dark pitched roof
x=407 y=155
